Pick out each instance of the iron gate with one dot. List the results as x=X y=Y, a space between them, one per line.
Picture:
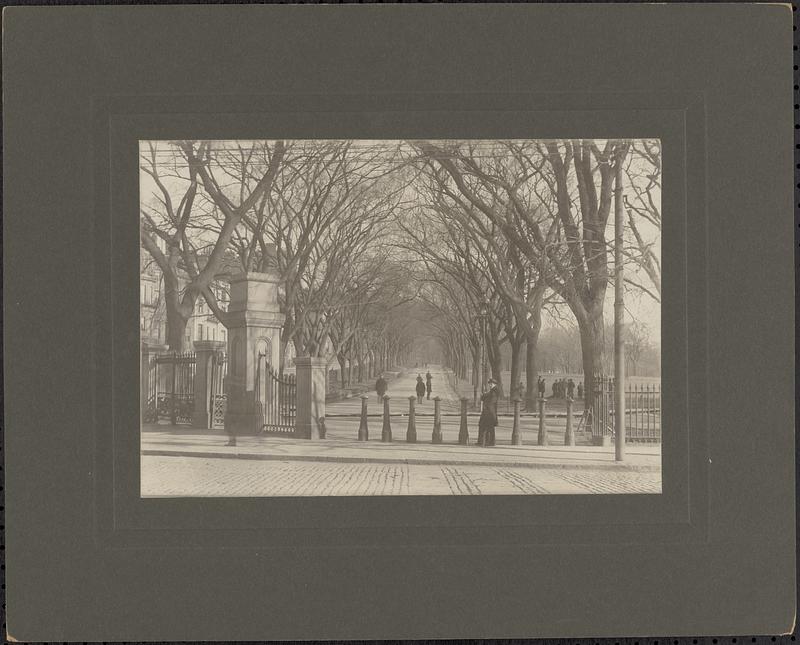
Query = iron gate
x=171 y=388
x=218 y=399
x=276 y=397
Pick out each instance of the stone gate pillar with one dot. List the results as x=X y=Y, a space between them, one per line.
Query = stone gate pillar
x=204 y=350
x=254 y=326
x=311 y=389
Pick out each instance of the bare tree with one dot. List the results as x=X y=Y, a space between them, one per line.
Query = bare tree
x=191 y=263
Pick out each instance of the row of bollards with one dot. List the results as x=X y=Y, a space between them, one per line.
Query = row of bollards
x=463 y=432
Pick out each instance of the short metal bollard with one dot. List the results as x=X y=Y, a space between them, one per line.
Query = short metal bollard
x=516 y=437
x=411 y=432
x=463 y=433
x=386 y=432
x=363 y=429
x=542 y=422
x=569 y=435
x=437 y=421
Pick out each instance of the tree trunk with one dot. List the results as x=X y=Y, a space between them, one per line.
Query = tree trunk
x=516 y=355
x=176 y=331
x=531 y=369
x=591 y=331
x=342 y=372
x=496 y=369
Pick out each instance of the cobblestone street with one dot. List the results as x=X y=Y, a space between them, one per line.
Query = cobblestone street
x=220 y=477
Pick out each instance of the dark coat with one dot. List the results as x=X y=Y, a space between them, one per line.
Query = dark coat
x=380 y=386
x=489 y=413
x=420 y=388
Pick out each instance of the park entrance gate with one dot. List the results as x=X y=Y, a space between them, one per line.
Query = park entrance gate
x=276 y=398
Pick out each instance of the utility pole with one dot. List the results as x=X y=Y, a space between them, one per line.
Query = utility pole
x=619 y=319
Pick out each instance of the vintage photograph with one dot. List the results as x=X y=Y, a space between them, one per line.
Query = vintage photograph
x=387 y=317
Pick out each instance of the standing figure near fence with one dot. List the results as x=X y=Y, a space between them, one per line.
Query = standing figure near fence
x=571 y=389
x=428 y=384
x=488 y=419
x=540 y=387
x=380 y=387
x=420 y=389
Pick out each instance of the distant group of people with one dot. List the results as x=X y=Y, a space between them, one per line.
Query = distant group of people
x=423 y=388
x=562 y=388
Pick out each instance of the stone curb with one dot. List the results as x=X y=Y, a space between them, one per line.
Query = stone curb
x=400 y=460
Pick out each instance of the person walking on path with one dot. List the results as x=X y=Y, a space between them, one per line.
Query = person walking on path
x=571 y=389
x=381 y=387
x=488 y=418
x=428 y=384
x=540 y=386
x=420 y=389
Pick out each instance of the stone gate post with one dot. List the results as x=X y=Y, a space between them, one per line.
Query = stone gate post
x=254 y=327
x=311 y=389
x=204 y=350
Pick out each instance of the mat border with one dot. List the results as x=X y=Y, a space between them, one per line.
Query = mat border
x=121 y=121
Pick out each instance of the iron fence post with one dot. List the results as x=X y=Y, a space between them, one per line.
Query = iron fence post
x=436 y=437
x=542 y=423
x=516 y=437
x=411 y=432
x=463 y=432
x=363 y=430
x=569 y=434
x=386 y=431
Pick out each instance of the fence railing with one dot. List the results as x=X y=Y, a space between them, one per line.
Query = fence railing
x=172 y=378
x=642 y=410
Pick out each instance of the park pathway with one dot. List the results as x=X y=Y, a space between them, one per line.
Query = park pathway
x=399 y=390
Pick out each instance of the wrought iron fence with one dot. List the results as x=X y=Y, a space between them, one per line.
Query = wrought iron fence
x=276 y=397
x=642 y=410
x=171 y=385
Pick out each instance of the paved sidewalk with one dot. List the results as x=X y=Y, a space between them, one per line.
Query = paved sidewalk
x=210 y=477
x=157 y=441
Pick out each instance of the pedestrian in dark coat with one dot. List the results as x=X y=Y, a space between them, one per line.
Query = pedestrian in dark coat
x=428 y=384
x=540 y=386
x=571 y=389
x=420 y=389
x=380 y=387
x=488 y=419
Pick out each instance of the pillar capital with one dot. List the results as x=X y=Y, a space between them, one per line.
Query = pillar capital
x=152 y=346
x=310 y=361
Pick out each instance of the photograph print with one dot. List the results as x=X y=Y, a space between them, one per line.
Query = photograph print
x=400 y=317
